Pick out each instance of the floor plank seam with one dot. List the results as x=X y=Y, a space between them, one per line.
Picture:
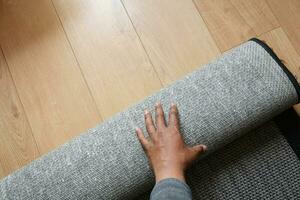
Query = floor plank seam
x=209 y=31
x=143 y=46
x=282 y=27
x=21 y=103
x=251 y=28
x=78 y=64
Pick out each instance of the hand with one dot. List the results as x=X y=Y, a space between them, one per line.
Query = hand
x=168 y=154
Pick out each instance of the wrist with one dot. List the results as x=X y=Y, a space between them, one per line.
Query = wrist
x=170 y=173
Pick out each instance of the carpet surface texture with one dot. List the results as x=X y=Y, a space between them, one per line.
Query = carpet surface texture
x=218 y=103
x=258 y=165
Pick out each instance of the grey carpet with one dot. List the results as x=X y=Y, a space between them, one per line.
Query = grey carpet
x=218 y=103
x=259 y=165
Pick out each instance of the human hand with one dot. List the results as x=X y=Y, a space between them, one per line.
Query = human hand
x=168 y=154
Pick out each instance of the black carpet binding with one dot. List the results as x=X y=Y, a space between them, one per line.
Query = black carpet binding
x=288 y=122
x=280 y=63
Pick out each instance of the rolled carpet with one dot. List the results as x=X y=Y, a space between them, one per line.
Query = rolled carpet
x=259 y=165
x=220 y=102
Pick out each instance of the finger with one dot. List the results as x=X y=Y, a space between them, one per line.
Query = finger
x=159 y=116
x=173 y=116
x=195 y=151
x=149 y=124
x=144 y=142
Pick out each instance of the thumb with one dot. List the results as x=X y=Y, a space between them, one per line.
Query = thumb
x=195 y=151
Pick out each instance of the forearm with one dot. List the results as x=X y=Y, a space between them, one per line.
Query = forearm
x=171 y=189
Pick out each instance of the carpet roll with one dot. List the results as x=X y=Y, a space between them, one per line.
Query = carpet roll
x=259 y=165
x=218 y=103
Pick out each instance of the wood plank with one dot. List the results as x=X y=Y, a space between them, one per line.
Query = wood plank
x=109 y=52
x=50 y=85
x=288 y=15
x=17 y=145
x=257 y=15
x=174 y=35
x=280 y=43
x=225 y=23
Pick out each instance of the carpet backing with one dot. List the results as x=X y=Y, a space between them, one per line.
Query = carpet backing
x=219 y=103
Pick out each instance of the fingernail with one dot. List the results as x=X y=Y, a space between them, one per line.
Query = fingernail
x=146 y=112
x=204 y=147
x=157 y=103
x=173 y=104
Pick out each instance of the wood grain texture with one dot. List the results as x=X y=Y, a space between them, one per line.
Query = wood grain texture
x=257 y=15
x=225 y=23
x=50 y=85
x=173 y=34
x=74 y=60
x=288 y=15
x=109 y=52
x=280 y=43
x=17 y=145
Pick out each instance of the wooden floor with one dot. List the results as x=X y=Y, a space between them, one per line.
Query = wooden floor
x=66 y=65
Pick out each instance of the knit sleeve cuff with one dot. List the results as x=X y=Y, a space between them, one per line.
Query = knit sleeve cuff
x=171 y=188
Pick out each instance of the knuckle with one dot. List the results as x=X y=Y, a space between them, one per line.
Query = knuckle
x=144 y=144
x=159 y=114
x=141 y=140
x=173 y=112
x=148 y=123
x=151 y=130
x=154 y=139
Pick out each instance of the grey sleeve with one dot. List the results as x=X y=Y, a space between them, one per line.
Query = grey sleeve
x=171 y=189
